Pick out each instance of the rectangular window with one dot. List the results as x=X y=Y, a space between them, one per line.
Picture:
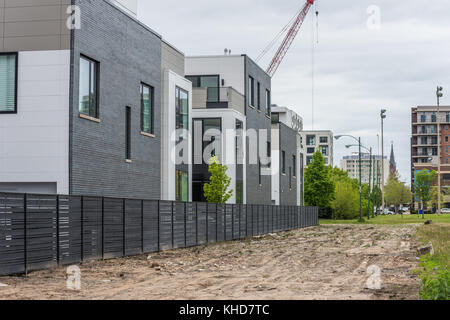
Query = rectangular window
x=251 y=91
x=258 y=97
x=310 y=150
x=309 y=160
x=310 y=140
x=182 y=186
x=128 y=133
x=434 y=140
x=283 y=162
x=294 y=165
x=433 y=117
x=211 y=83
x=147 y=100
x=182 y=113
x=8 y=82
x=324 y=150
x=323 y=139
x=88 y=91
x=268 y=103
x=447 y=138
x=259 y=172
x=290 y=178
x=275 y=118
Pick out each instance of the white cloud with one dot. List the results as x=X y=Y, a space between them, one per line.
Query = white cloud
x=358 y=71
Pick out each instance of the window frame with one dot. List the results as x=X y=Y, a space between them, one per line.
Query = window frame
x=152 y=108
x=251 y=91
x=97 y=86
x=258 y=97
x=128 y=133
x=268 y=103
x=294 y=166
x=16 y=80
x=283 y=162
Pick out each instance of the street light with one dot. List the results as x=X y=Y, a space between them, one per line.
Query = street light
x=360 y=173
x=383 y=117
x=370 y=175
x=439 y=95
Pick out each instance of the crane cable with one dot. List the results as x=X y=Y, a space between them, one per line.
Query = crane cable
x=278 y=36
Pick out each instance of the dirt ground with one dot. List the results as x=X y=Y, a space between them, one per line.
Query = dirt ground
x=326 y=262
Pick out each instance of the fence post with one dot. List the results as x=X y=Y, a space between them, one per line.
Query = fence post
x=25 y=263
x=196 y=224
x=124 y=227
x=159 y=228
x=185 y=225
x=173 y=240
x=82 y=228
x=103 y=228
x=57 y=230
x=207 y=224
x=217 y=222
x=142 y=227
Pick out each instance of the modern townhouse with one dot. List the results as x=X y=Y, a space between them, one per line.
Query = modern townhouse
x=287 y=157
x=231 y=97
x=318 y=140
x=81 y=104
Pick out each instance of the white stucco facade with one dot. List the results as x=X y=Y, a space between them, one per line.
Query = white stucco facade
x=230 y=69
x=34 y=143
x=228 y=146
x=171 y=81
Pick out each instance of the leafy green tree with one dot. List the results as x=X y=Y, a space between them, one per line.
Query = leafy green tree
x=434 y=197
x=396 y=192
x=319 y=186
x=422 y=185
x=346 y=202
x=216 y=191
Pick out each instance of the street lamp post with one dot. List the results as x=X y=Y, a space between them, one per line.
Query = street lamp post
x=370 y=195
x=360 y=173
x=439 y=95
x=383 y=116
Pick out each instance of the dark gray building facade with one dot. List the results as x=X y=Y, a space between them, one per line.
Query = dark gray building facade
x=126 y=55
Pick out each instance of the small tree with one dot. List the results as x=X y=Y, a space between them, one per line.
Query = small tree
x=422 y=185
x=319 y=186
x=396 y=193
x=216 y=191
x=346 y=202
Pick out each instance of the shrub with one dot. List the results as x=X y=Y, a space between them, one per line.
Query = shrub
x=435 y=280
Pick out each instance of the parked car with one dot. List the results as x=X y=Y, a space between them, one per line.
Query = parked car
x=445 y=210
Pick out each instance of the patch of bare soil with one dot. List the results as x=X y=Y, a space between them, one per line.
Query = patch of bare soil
x=326 y=262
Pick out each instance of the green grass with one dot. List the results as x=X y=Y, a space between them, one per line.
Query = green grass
x=393 y=219
x=435 y=270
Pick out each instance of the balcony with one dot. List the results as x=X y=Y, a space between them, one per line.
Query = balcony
x=218 y=98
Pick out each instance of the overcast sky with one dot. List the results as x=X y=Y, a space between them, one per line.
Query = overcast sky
x=358 y=70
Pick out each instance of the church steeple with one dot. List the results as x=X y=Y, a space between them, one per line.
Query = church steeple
x=392 y=164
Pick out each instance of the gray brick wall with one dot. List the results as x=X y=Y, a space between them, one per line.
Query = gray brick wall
x=288 y=144
x=128 y=54
x=257 y=194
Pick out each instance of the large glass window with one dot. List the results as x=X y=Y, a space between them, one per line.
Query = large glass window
x=182 y=186
x=128 y=133
x=147 y=101
x=268 y=103
x=323 y=139
x=88 y=91
x=182 y=111
x=294 y=165
x=283 y=162
x=8 y=83
x=211 y=83
x=310 y=140
x=324 y=150
x=251 y=91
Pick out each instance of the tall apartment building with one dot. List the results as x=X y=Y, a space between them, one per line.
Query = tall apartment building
x=287 y=157
x=351 y=165
x=81 y=105
x=318 y=140
x=424 y=141
x=231 y=92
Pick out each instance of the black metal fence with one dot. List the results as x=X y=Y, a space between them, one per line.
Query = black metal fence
x=44 y=231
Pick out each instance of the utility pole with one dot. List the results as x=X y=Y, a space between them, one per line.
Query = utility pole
x=383 y=116
x=439 y=94
x=360 y=182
